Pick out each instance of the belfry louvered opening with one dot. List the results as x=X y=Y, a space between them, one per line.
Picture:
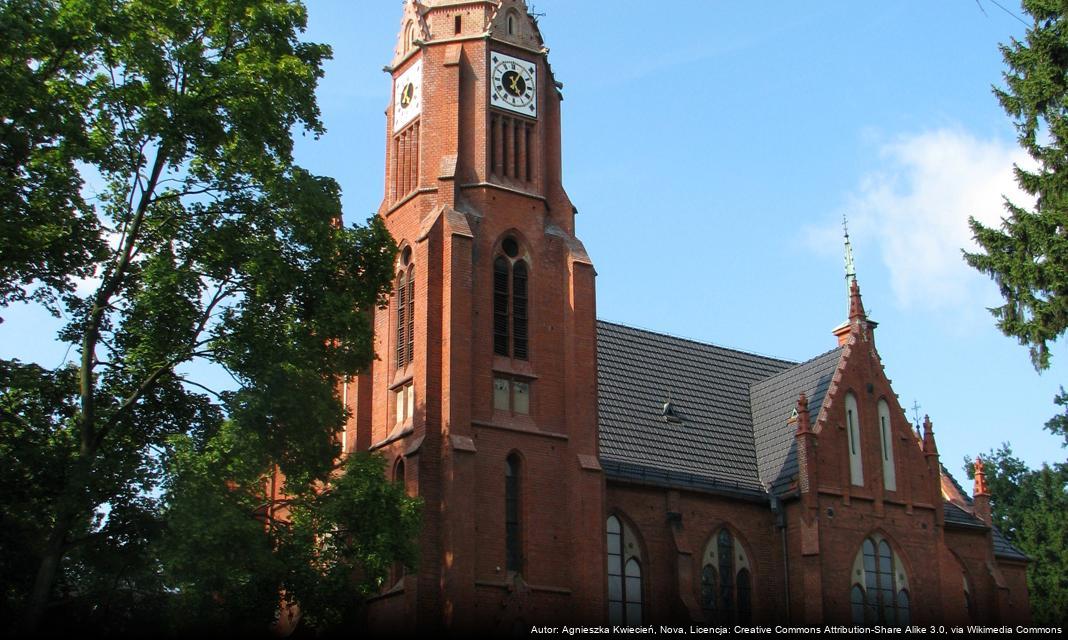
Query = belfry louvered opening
x=405 y=317
x=510 y=307
x=511 y=149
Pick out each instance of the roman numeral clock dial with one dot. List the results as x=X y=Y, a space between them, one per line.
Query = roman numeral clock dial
x=408 y=96
x=515 y=85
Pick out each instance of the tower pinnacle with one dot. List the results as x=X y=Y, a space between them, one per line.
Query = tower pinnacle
x=855 y=315
x=850 y=266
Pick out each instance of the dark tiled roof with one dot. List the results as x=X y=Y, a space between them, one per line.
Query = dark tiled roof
x=959 y=517
x=773 y=401
x=1005 y=549
x=955 y=516
x=712 y=445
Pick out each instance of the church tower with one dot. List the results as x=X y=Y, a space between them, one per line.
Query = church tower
x=484 y=395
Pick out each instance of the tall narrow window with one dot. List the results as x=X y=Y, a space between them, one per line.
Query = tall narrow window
x=708 y=592
x=510 y=303
x=519 y=310
x=726 y=580
x=500 y=306
x=726 y=574
x=886 y=433
x=409 y=36
x=745 y=606
x=879 y=594
x=856 y=465
x=625 y=597
x=406 y=312
x=513 y=547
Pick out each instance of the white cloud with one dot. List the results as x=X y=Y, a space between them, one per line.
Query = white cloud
x=916 y=211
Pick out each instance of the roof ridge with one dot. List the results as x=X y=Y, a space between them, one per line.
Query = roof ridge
x=695 y=341
x=793 y=368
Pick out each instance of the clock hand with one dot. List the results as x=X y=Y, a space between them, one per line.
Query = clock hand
x=515 y=84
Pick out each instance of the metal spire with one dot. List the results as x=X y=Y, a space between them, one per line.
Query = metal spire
x=850 y=267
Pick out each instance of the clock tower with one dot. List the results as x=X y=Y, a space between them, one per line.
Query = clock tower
x=483 y=398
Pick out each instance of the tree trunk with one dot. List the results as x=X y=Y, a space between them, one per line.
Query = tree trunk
x=47 y=572
x=56 y=547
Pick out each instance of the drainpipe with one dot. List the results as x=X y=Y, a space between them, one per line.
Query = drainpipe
x=780 y=524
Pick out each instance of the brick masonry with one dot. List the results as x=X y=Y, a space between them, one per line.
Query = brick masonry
x=455 y=444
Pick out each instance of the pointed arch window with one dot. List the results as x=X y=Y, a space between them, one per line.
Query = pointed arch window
x=510 y=296
x=409 y=36
x=856 y=464
x=887 y=442
x=513 y=546
x=404 y=349
x=405 y=312
x=880 y=591
x=726 y=580
x=625 y=595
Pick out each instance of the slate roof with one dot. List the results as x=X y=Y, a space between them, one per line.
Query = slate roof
x=712 y=445
x=1005 y=549
x=955 y=516
x=959 y=517
x=733 y=407
x=773 y=401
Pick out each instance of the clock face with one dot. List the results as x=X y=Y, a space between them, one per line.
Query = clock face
x=407 y=96
x=515 y=84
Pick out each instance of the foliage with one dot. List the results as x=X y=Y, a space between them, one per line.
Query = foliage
x=1028 y=256
x=1031 y=508
x=148 y=194
x=322 y=547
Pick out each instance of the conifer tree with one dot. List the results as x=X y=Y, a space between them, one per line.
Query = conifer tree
x=1027 y=256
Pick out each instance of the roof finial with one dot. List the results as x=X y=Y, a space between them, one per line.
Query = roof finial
x=850 y=266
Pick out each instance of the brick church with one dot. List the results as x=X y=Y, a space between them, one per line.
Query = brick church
x=579 y=471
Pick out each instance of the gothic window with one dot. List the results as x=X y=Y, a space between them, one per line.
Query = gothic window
x=880 y=591
x=625 y=598
x=409 y=36
x=405 y=295
x=511 y=23
x=510 y=298
x=886 y=434
x=708 y=591
x=726 y=580
x=513 y=548
x=969 y=601
x=856 y=466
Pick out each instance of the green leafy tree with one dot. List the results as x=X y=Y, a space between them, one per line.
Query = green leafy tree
x=1027 y=256
x=1030 y=506
x=149 y=195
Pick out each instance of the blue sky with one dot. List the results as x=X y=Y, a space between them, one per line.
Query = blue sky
x=712 y=149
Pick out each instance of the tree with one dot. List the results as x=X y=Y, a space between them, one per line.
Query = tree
x=149 y=194
x=1028 y=256
x=1031 y=508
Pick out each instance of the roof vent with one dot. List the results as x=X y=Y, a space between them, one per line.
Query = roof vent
x=668 y=411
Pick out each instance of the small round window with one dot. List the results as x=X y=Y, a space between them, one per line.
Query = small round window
x=510 y=247
x=406 y=256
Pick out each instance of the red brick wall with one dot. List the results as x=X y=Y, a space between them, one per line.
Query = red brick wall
x=454 y=223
